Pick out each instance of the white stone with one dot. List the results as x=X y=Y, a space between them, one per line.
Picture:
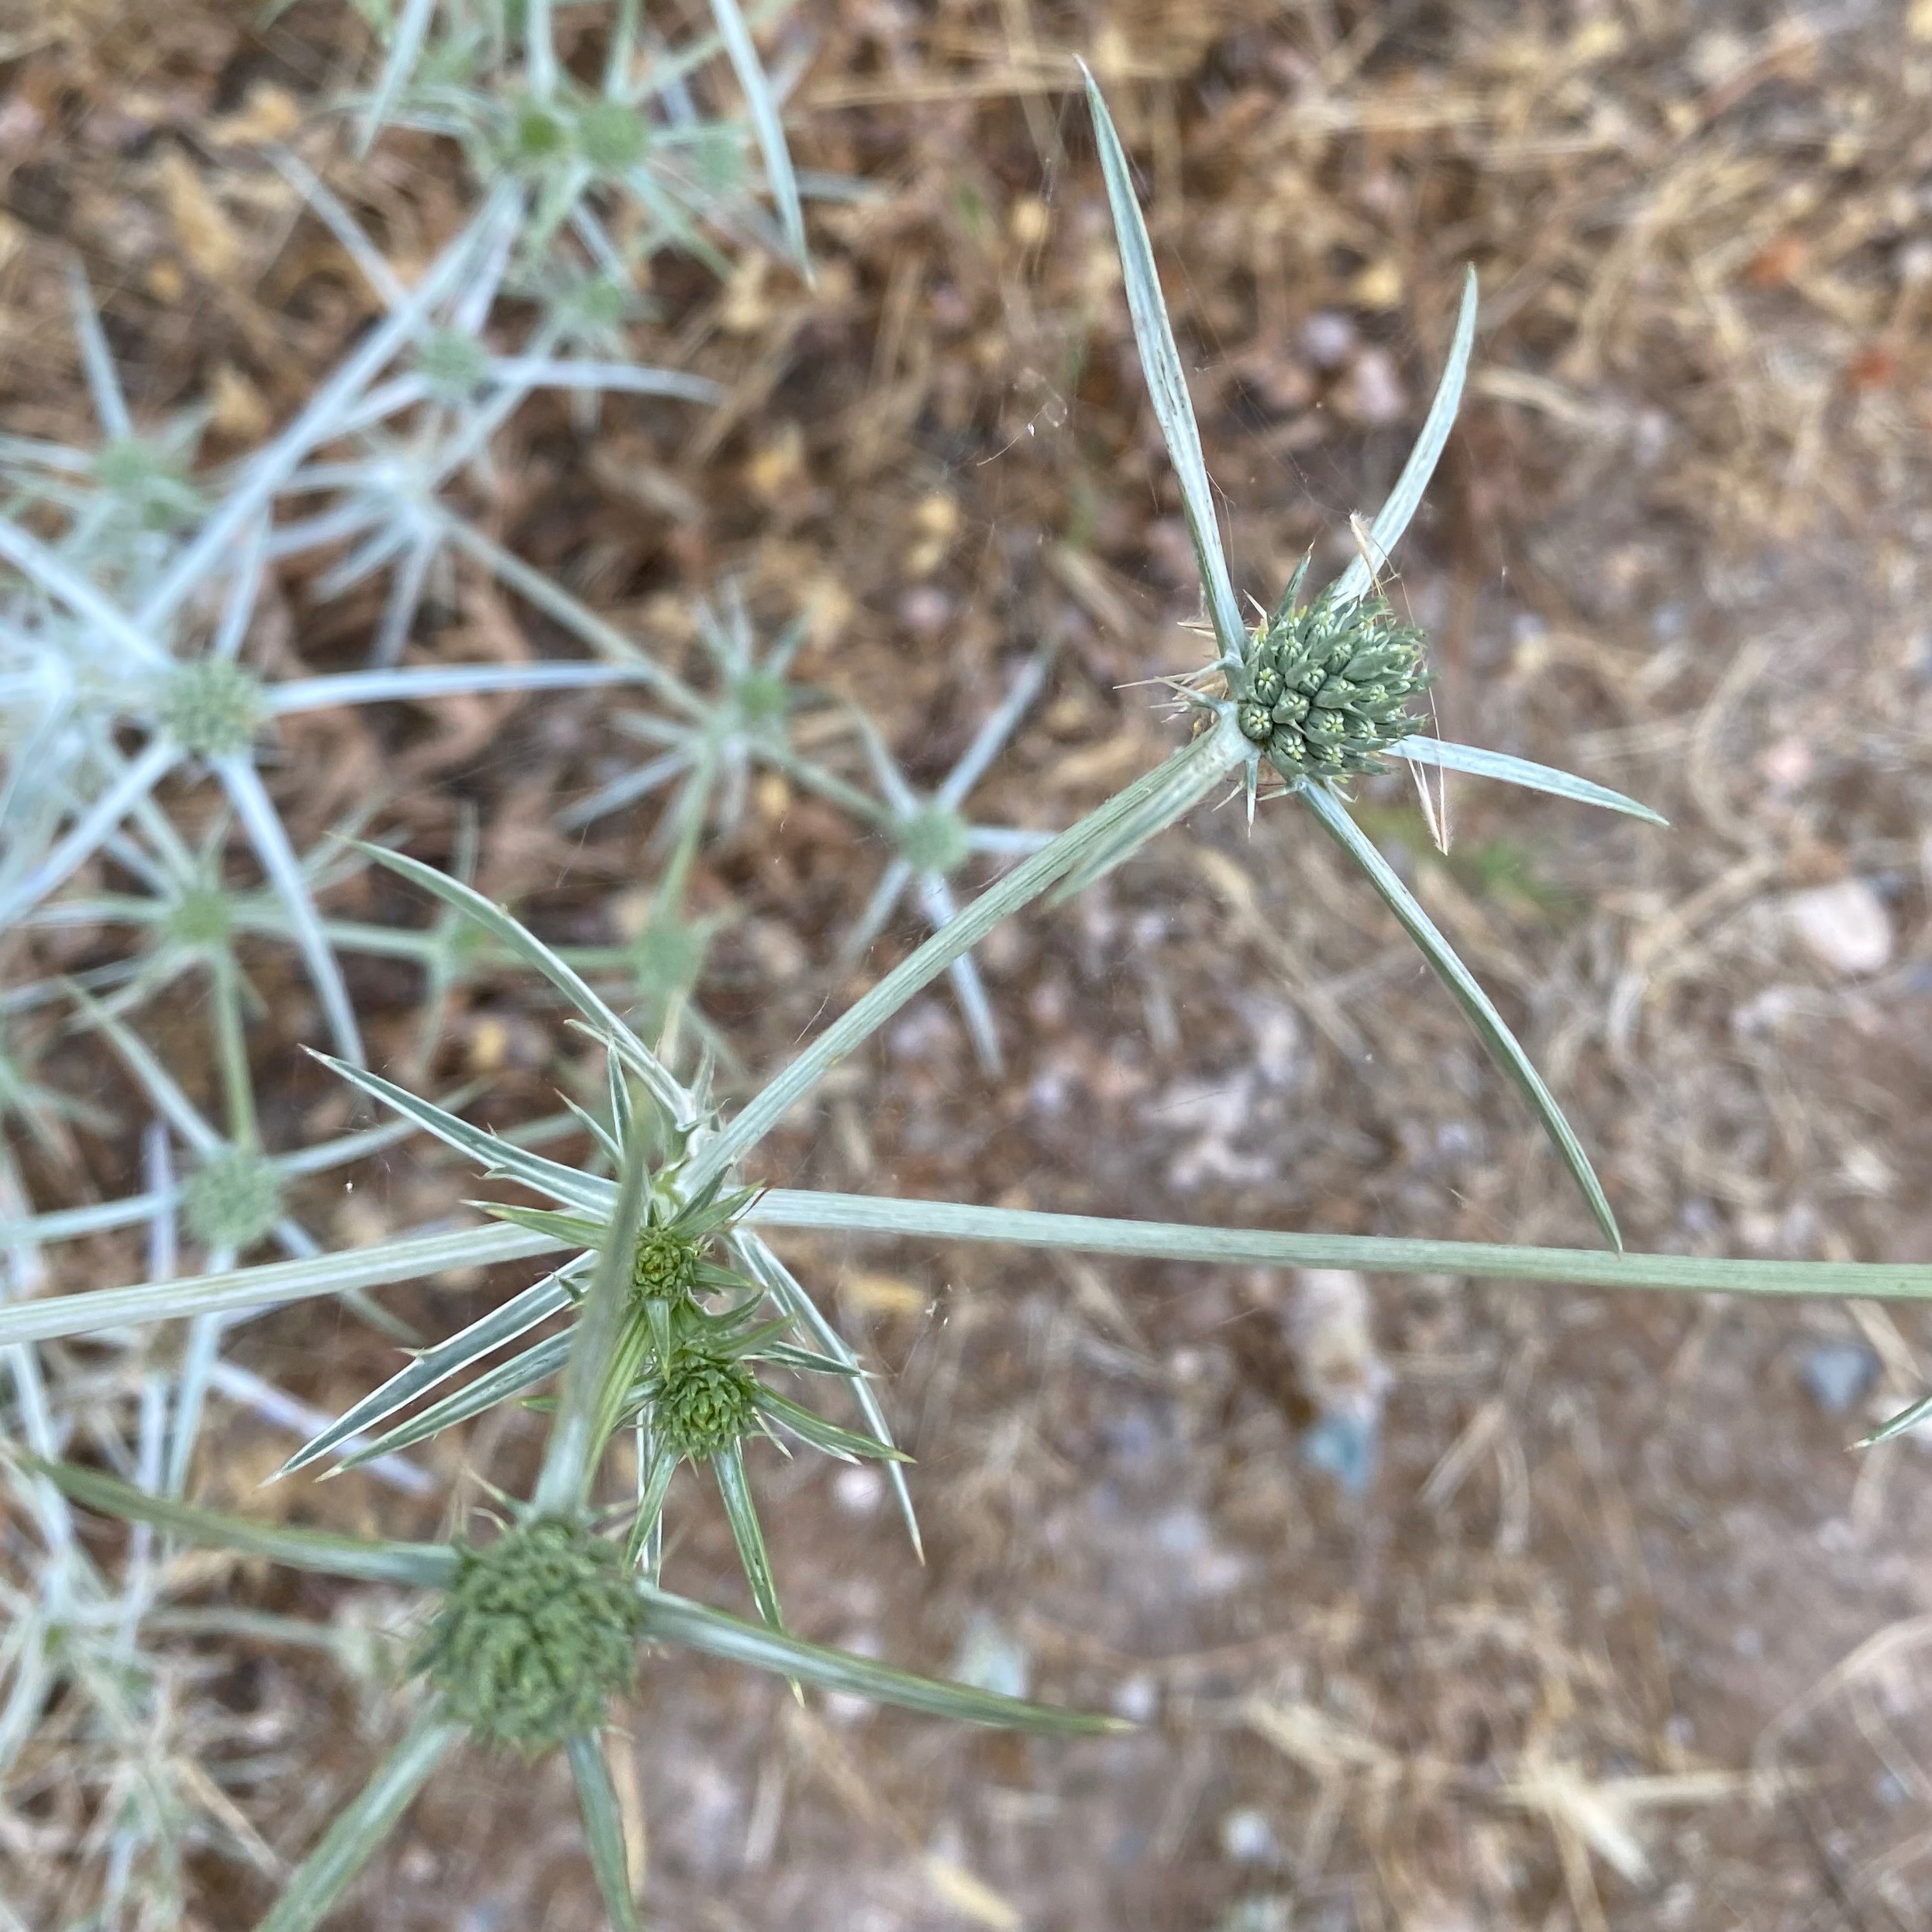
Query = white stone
x=1844 y=926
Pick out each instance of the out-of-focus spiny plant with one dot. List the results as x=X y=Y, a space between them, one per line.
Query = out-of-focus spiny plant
x=634 y=150
x=79 y=668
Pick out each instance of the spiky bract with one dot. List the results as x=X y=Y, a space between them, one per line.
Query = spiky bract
x=537 y=1635
x=1325 y=688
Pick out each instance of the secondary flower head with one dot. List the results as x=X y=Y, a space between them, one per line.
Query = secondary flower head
x=234 y=1201
x=212 y=706
x=1325 y=689
x=537 y=1635
x=705 y=1402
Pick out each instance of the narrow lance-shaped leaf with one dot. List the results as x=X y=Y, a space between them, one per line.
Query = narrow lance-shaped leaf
x=495 y=1154
x=524 y=1370
x=603 y=1829
x=676 y=1619
x=659 y=1464
x=575 y=1441
x=517 y=1316
x=248 y=1290
x=1393 y=518
x=256 y=811
x=1906 y=1419
x=1480 y=763
x=728 y=1466
x=762 y=104
x=358 y=1830
x=429 y=1565
x=1482 y=1015
x=494 y=921
x=405 y=44
x=826 y=1438
x=790 y=1293
x=1166 y=382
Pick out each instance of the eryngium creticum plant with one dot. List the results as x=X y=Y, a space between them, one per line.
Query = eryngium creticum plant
x=535 y=1631
x=649 y=1265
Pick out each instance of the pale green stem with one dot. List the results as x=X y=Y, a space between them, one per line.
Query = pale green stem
x=1372 y=1254
x=231 y=1050
x=360 y=1828
x=577 y=1437
x=954 y=939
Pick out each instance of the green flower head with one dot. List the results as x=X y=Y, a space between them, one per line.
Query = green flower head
x=233 y=1202
x=705 y=1403
x=211 y=706
x=665 y=1267
x=1325 y=690
x=538 y=1633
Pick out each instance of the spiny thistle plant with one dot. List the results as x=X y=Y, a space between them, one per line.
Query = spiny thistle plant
x=707 y=750
x=935 y=842
x=631 y=151
x=666 y=1324
x=78 y=669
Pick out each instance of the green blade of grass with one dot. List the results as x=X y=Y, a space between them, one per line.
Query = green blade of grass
x=516 y=1317
x=1476 y=1004
x=430 y=1566
x=360 y=1827
x=1450 y=756
x=1393 y=518
x=676 y=1619
x=237 y=1291
x=1166 y=381
x=603 y=1829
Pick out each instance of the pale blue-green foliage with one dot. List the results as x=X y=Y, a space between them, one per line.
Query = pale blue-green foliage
x=934 y=841
x=637 y=154
x=704 y=741
x=1240 y=652
x=90 y=649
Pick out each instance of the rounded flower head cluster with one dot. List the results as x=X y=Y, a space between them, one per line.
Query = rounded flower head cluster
x=233 y=1202
x=537 y=1635
x=706 y=1403
x=665 y=1265
x=1325 y=689
x=212 y=706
